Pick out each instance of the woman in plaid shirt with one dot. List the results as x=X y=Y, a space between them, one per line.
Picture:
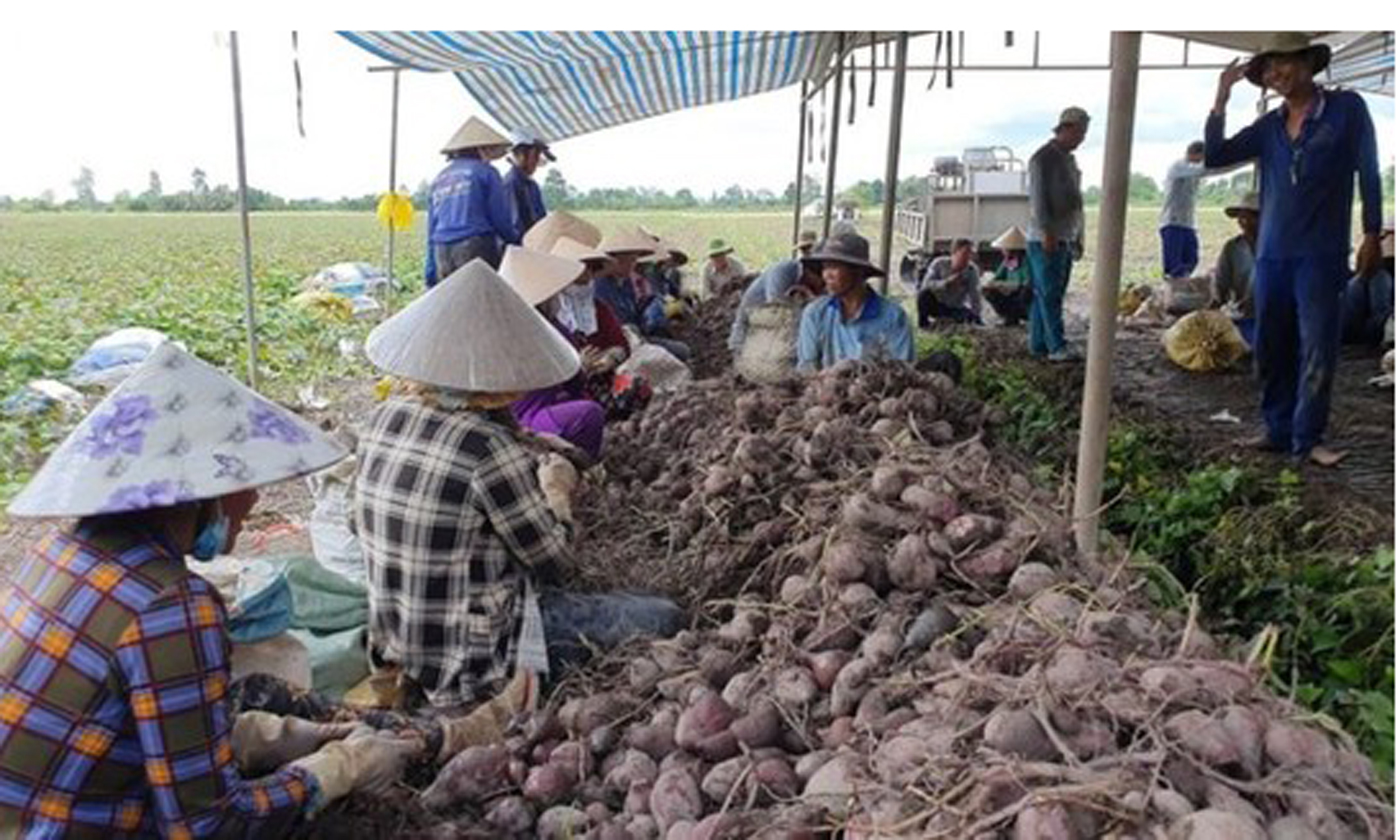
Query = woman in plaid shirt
x=114 y=658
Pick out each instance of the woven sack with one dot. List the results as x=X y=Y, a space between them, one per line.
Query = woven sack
x=1205 y=341
x=1187 y=294
x=769 y=352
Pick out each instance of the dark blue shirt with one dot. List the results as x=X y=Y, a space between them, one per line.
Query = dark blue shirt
x=469 y=199
x=618 y=293
x=1306 y=186
x=526 y=200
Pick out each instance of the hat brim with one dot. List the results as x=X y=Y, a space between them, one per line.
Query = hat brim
x=720 y=253
x=870 y=269
x=1319 y=54
x=1235 y=210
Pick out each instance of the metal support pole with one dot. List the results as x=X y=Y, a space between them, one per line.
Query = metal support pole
x=249 y=312
x=835 y=136
x=892 y=160
x=1108 y=262
x=801 y=151
x=393 y=168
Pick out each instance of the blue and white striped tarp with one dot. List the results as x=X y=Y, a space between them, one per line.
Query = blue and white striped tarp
x=563 y=84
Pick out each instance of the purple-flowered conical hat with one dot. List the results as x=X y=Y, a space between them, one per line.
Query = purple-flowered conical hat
x=175 y=430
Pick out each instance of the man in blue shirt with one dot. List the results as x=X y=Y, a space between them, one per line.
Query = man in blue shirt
x=468 y=216
x=850 y=321
x=1310 y=151
x=628 y=292
x=526 y=200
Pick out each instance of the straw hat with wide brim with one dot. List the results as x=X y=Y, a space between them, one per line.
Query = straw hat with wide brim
x=631 y=241
x=475 y=134
x=558 y=223
x=537 y=276
x=472 y=332
x=806 y=240
x=849 y=248
x=176 y=430
x=573 y=249
x=1287 y=43
x=1012 y=239
x=1247 y=203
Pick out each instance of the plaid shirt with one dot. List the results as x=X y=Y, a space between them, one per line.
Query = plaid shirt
x=113 y=718
x=451 y=515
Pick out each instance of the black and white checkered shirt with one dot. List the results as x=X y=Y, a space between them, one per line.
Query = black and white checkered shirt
x=451 y=515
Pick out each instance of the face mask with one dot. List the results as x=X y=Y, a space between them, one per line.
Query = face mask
x=212 y=538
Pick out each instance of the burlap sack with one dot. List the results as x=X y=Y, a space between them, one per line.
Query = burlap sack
x=769 y=352
x=1205 y=341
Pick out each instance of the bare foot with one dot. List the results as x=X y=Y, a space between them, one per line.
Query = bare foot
x=1324 y=457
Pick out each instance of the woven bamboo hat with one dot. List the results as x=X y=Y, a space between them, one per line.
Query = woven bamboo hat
x=475 y=134
x=558 y=223
x=1012 y=239
x=631 y=241
x=537 y=276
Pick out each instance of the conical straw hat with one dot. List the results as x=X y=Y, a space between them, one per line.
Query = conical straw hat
x=472 y=332
x=543 y=234
x=666 y=251
x=537 y=277
x=475 y=134
x=573 y=249
x=175 y=430
x=1012 y=239
x=633 y=241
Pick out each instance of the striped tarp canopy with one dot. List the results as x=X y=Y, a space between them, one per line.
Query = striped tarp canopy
x=563 y=84
x=1363 y=61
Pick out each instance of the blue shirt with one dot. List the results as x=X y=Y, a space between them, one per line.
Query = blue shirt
x=879 y=332
x=1305 y=187
x=525 y=199
x=618 y=294
x=469 y=199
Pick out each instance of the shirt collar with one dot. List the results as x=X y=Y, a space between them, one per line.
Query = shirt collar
x=869 y=311
x=1315 y=106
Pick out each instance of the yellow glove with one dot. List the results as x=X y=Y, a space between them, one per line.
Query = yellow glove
x=674 y=307
x=486 y=724
x=262 y=741
x=558 y=478
x=366 y=761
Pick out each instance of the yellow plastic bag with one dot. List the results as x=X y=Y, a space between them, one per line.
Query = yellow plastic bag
x=395 y=211
x=327 y=305
x=1205 y=341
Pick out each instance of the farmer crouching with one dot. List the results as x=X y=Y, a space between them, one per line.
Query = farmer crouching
x=1369 y=302
x=850 y=321
x=1009 y=290
x=461 y=523
x=790 y=279
x=114 y=655
x=951 y=288
x=723 y=271
x=627 y=290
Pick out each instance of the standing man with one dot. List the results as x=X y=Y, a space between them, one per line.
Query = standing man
x=468 y=215
x=951 y=288
x=1056 y=233
x=1181 y=248
x=523 y=193
x=1310 y=150
x=852 y=320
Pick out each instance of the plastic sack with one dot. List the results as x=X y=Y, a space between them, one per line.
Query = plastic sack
x=1204 y=341
x=664 y=371
x=769 y=352
x=335 y=546
x=115 y=356
x=347 y=279
x=1185 y=295
x=282 y=656
x=258 y=596
x=42 y=395
x=325 y=305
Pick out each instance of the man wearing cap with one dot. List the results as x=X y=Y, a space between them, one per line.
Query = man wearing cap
x=1310 y=151
x=1234 y=268
x=460 y=522
x=469 y=215
x=806 y=241
x=618 y=288
x=791 y=279
x=850 y=321
x=1009 y=290
x=1369 y=302
x=723 y=270
x=526 y=199
x=115 y=713
x=1055 y=232
x=951 y=288
x=1181 y=247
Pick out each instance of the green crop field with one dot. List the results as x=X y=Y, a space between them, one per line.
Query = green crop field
x=67 y=279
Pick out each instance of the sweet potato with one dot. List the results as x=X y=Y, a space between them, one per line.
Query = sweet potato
x=850 y=686
x=886 y=427
x=675 y=797
x=718 y=747
x=971 y=529
x=549 y=783
x=774 y=776
x=839 y=635
x=724 y=777
x=881 y=646
x=993 y=563
x=799 y=591
x=1048 y=821
x=1214 y=824
x=511 y=815
x=1290 y=745
x=1204 y=737
x=717 y=665
x=872 y=708
x=643 y=827
x=561 y=823
x=1246 y=728
x=1168 y=681
x=708 y=716
x=912 y=566
x=471 y=776
x=680 y=830
x=1017 y=732
x=1074 y=671
x=794 y=687
x=844 y=560
x=635 y=766
x=742 y=688
x=833 y=785
x=839 y=733
x=826 y=665
x=760 y=728
x=862 y=513
x=1030 y=579
x=888 y=482
x=936 y=507
x=858 y=598
x=655 y=739
x=638 y=799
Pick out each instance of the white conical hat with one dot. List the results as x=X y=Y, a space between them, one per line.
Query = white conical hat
x=634 y=240
x=175 y=430
x=472 y=332
x=576 y=250
x=1011 y=239
x=475 y=134
x=537 y=277
x=543 y=234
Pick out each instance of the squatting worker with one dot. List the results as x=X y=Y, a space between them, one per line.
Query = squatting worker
x=1055 y=232
x=723 y=270
x=114 y=657
x=461 y=523
x=852 y=320
x=469 y=215
x=1234 y=268
x=526 y=199
x=1009 y=289
x=1309 y=151
x=951 y=288
x=1181 y=247
x=791 y=279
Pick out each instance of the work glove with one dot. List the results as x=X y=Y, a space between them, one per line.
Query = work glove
x=558 y=478
x=486 y=724
x=367 y=761
x=262 y=741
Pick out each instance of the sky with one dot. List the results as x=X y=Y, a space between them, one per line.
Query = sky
x=161 y=100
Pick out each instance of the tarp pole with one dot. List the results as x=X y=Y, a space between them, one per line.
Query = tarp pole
x=249 y=310
x=1108 y=263
x=393 y=170
x=901 y=53
x=835 y=136
x=801 y=151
